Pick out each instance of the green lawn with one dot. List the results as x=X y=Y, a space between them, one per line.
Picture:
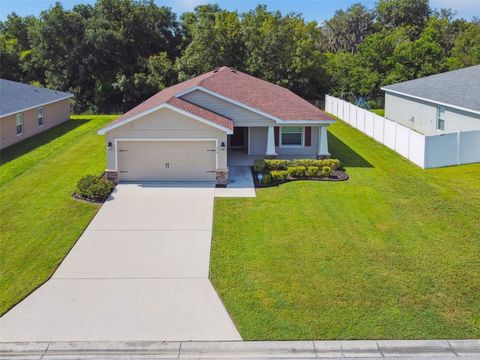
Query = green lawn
x=392 y=253
x=39 y=221
x=379 y=112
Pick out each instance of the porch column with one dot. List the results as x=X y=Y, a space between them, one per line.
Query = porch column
x=322 y=146
x=271 y=143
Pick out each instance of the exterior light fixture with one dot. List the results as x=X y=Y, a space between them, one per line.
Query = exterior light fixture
x=109 y=145
x=222 y=145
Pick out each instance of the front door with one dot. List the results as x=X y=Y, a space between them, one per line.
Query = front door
x=237 y=139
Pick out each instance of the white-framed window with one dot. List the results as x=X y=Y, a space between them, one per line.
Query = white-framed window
x=40 y=116
x=441 y=118
x=19 y=123
x=291 y=136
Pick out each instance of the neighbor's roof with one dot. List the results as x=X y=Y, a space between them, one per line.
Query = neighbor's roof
x=459 y=88
x=16 y=97
x=261 y=95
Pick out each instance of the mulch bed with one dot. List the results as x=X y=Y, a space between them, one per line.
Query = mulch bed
x=337 y=175
x=82 y=199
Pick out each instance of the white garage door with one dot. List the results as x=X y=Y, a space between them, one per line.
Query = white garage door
x=166 y=160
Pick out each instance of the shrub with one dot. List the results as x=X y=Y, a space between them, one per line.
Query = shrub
x=312 y=171
x=279 y=175
x=277 y=164
x=267 y=179
x=307 y=162
x=94 y=188
x=332 y=163
x=326 y=171
x=296 y=171
x=259 y=165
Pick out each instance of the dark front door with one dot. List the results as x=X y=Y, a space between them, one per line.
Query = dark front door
x=237 y=139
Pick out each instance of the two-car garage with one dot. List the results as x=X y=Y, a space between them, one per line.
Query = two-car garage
x=167 y=160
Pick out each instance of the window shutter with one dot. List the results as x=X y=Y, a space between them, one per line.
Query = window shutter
x=308 y=136
x=277 y=135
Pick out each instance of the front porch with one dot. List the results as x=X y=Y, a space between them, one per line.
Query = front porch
x=291 y=141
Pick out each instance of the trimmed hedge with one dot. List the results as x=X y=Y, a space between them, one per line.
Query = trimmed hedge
x=94 y=188
x=312 y=171
x=277 y=171
x=277 y=164
x=327 y=171
x=279 y=175
x=296 y=171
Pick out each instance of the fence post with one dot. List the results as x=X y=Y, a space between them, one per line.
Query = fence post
x=458 y=147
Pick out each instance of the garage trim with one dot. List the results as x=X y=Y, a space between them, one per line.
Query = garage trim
x=165 y=140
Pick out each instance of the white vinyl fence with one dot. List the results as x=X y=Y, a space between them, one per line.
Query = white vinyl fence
x=427 y=151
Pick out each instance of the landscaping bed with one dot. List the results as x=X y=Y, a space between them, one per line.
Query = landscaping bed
x=268 y=173
x=93 y=189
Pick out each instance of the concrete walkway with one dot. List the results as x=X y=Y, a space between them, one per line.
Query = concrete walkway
x=405 y=350
x=240 y=183
x=139 y=272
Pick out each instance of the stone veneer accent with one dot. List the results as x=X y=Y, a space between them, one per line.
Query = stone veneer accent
x=111 y=175
x=222 y=177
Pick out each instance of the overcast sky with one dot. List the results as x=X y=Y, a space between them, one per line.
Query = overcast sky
x=318 y=10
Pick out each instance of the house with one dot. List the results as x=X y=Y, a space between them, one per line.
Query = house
x=442 y=103
x=27 y=110
x=193 y=130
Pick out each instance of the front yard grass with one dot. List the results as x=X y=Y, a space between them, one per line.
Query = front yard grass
x=39 y=220
x=392 y=253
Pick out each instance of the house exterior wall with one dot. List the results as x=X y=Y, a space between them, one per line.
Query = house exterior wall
x=165 y=124
x=258 y=143
x=239 y=115
x=53 y=114
x=401 y=109
x=301 y=151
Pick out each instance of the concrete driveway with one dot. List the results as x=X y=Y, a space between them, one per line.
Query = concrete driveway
x=139 y=272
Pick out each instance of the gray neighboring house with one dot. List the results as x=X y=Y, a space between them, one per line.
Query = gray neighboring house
x=437 y=104
x=26 y=110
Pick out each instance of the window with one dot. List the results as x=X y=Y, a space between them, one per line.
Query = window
x=291 y=136
x=40 y=116
x=441 y=119
x=19 y=122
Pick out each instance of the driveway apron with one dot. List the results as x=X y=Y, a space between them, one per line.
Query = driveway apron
x=138 y=272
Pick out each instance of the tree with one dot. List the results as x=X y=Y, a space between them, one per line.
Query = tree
x=284 y=50
x=95 y=52
x=216 y=41
x=394 y=13
x=347 y=29
x=466 y=48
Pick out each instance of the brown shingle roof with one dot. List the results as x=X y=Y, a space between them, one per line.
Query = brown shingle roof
x=259 y=94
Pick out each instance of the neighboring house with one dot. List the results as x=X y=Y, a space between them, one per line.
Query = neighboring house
x=26 y=110
x=441 y=103
x=187 y=132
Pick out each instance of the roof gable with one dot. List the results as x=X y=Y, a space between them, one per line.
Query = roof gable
x=458 y=88
x=17 y=97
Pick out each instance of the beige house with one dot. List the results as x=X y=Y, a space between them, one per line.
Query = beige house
x=27 y=110
x=195 y=130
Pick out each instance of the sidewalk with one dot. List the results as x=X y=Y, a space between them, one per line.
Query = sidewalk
x=368 y=349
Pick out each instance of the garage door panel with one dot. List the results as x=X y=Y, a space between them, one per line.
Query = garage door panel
x=167 y=161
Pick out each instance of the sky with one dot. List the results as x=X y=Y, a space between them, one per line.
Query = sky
x=318 y=10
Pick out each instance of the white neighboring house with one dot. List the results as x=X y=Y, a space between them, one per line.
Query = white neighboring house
x=442 y=103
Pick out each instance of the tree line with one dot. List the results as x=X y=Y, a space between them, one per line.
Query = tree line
x=116 y=53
